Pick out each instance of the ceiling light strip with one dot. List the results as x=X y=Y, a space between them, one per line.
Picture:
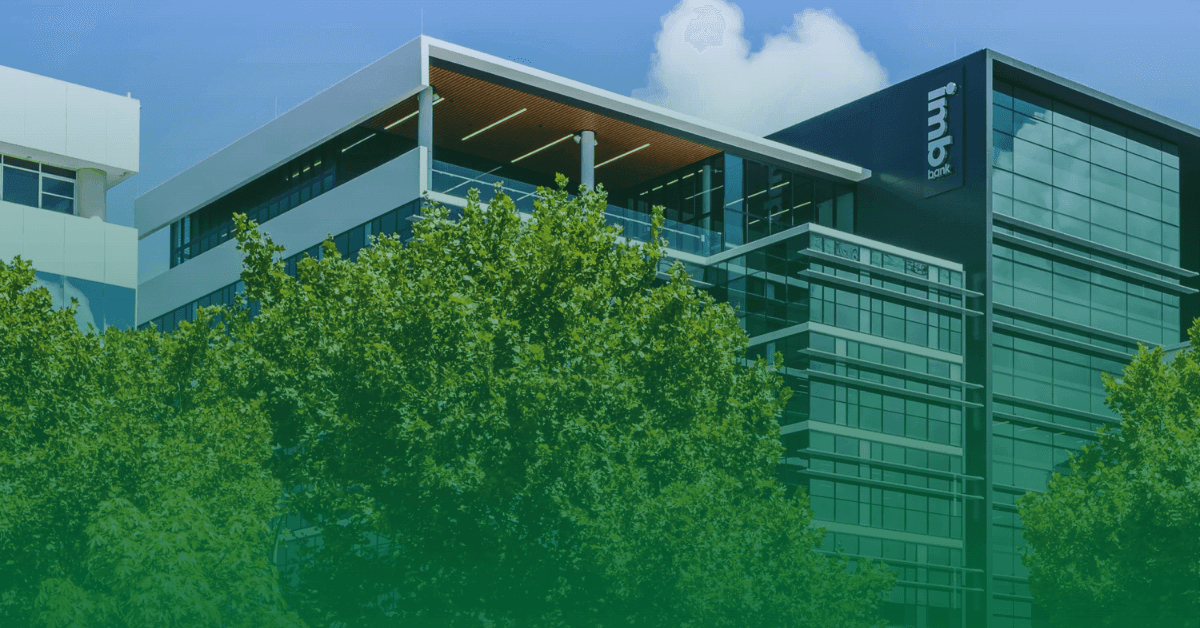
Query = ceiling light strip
x=401 y=120
x=504 y=119
x=534 y=152
x=625 y=154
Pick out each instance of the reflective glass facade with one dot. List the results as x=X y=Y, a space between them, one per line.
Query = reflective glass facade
x=871 y=340
x=1071 y=307
x=1075 y=222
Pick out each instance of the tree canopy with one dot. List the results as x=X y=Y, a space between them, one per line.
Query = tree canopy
x=133 y=489
x=1117 y=541
x=508 y=420
x=513 y=421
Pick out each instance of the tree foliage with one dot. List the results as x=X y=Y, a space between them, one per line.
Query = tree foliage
x=1117 y=541
x=511 y=421
x=133 y=489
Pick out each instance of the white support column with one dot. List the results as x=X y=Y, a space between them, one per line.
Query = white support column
x=91 y=190
x=706 y=195
x=425 y=127
x=587 y=159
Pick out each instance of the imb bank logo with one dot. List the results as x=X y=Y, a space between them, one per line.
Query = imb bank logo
x=940 y=138
x=943 y=130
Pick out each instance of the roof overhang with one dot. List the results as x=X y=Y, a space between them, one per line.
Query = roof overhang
x=387 y=88
x=630 y=110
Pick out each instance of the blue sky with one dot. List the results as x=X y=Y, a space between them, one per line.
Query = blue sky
x=208 y=73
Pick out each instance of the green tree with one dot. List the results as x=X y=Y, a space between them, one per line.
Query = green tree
x=1117 y=541
x=514 y=422
x=133 y=490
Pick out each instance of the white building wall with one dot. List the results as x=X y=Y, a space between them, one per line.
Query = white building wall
x=67 y=125
x=56 y=243
x=340 y=209
x=383 y=83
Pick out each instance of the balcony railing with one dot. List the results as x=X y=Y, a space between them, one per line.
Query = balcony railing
x=455 y=180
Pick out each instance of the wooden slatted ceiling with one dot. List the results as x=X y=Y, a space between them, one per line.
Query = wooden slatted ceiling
x=471 y=104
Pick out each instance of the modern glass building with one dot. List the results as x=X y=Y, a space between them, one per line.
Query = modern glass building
x=1074 y=216
x=947 y=265
x=62 y=146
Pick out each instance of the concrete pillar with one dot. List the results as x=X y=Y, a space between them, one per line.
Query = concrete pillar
x=706 y=196
x=587 y=159
x=91 y=191
x=425 y=127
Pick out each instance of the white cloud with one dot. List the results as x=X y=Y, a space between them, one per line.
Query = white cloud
x=703 y=66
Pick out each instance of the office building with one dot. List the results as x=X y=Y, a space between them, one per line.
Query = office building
x=1074 y=215
x=944 y=295
x=62 y=147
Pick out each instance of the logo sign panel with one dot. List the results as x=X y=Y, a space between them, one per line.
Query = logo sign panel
x=943 y=117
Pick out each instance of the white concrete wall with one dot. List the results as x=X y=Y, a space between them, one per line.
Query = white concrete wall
x=69 y=245
x=68 y=125
x=340 y=209
x=384 y=83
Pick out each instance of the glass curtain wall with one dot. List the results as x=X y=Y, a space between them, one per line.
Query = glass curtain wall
x=742 y=199
x=1068 y=308
x=872 y=348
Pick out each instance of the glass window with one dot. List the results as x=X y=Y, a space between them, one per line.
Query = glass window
x=1108 y=132
x=1071 y=174
x=1002 y=119
x=1144 y=198
x=1033 y=130
x=1143 y=145
x=1144 y=169
x=1032 y=160
x=20 y=186
x=1108 y=186
x=58 y=186
x=1002 y=95
x=1002 y=150
x=1170 y=178
x=1072 y=143
x=1170 y=155
x=1073 y=205
x=1031 y=104
x=1032 y=192
x=1072 y=119
x=58 y=204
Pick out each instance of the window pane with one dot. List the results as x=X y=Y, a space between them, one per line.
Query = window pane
x=1070 y=118
x=58 y=186
x=1071 y=173
x=58 y=204
x=1033 y=130
x=1108 y=156
x=21 y=186
x=1031 y=104
x=1145 y=169
x=1031 y=191
x=1032 y=160
x=1108 y=186
x=1145 y=199
x=1002 y=119
x=1108 y=132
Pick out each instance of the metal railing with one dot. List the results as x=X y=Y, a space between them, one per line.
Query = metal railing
x=455 y=180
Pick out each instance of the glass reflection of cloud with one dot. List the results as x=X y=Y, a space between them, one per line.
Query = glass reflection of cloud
x=89 y=309
x=52 y=283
